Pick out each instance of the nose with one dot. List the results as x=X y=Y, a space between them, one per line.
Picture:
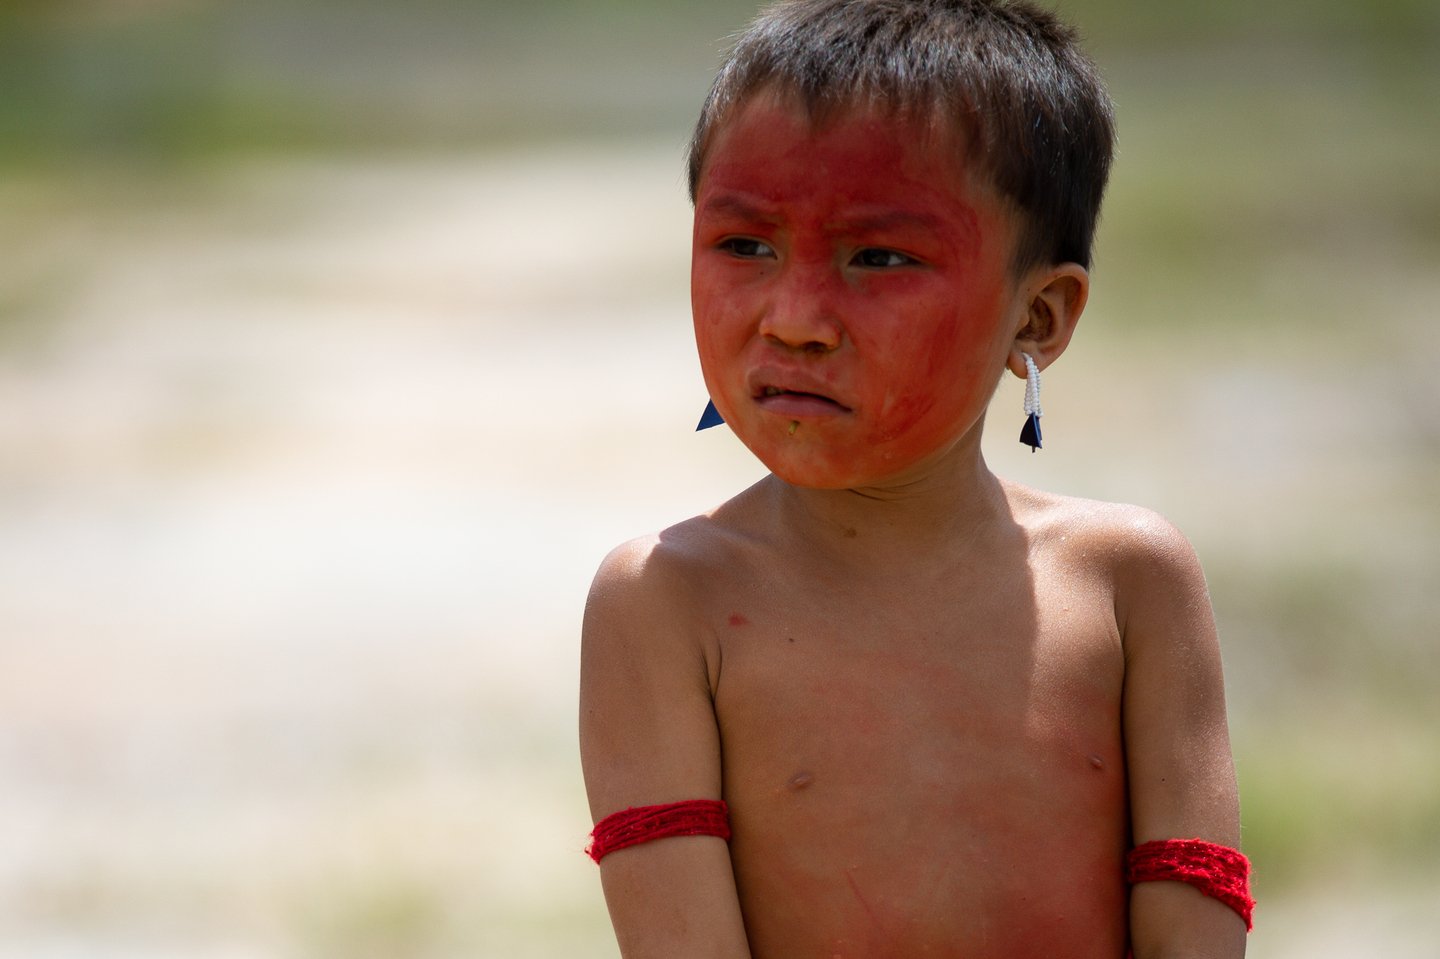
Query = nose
x=800 y=316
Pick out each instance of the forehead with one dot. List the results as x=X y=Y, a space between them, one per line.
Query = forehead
x=774 y=148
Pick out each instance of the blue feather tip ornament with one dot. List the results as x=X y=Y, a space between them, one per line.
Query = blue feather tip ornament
x=1030 y=432
x=711 y=417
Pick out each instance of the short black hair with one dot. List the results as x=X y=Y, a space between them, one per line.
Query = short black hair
x=1007 y=74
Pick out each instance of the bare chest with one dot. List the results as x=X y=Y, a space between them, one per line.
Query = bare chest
x=885 y=760
x=933 y=689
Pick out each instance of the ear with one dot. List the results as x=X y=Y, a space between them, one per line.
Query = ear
x=1054 y=297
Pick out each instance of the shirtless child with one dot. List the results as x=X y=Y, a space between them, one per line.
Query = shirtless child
x=884 y=703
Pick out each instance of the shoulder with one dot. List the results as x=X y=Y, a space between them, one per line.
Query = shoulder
x=664 y=567
x=1143 y=558
x=1120 y=531
x=684 y=561
x=653 y=598
x=643 y=581
x=633 y=571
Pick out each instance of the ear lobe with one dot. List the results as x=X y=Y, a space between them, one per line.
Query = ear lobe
x=1057 y=299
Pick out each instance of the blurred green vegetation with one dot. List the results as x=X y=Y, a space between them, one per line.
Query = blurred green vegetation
x=176 y=79
x=374 y=914
x=1345 y=796
x=179 y=80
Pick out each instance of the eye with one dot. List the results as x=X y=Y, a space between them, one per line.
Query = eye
x=746 y=248
x=875 y=258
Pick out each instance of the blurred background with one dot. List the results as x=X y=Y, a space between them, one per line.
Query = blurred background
x=340 y=340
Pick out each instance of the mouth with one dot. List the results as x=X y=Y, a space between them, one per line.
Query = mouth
x=788 y=402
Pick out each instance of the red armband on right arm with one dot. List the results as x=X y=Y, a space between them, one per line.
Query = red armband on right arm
x=629 y=827
x=1217 y=871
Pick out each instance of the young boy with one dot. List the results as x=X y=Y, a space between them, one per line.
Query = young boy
x=883 y=703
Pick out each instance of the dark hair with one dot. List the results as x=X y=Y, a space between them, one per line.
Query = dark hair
x=1008 y=75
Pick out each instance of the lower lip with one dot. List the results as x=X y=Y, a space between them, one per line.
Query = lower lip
x=796 y=404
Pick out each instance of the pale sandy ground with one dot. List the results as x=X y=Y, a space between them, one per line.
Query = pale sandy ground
x=302 y=481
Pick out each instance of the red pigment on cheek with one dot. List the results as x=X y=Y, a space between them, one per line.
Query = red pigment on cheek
x=938 y=390
x=931 y=364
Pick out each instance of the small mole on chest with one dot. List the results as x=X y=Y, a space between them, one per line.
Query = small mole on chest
x=1097 y=762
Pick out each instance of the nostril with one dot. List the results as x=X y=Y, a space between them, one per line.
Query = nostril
x=810 y=347
x=805 y=330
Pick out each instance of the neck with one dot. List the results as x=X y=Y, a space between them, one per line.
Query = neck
x=937 y=513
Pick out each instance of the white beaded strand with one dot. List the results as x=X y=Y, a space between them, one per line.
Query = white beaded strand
x=1032 y=386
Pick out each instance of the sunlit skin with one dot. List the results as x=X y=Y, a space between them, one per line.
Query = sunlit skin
x=879 y=307
x=940 y=705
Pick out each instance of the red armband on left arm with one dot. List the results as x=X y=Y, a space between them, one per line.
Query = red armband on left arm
x=1217 y=871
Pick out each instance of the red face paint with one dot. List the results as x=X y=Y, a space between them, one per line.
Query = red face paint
x=851 y=291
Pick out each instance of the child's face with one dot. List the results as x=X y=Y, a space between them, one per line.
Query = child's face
x=852 y=292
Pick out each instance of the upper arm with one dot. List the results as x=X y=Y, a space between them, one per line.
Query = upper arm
x=1178 y=759
x=648 y=735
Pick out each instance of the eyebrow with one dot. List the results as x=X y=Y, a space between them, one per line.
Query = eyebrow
x=968 y=236
x=897 y=219
x=732 y=204
x=739 y=206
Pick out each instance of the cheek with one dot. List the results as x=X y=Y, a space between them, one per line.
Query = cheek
x=928 y=380
x=715 y=316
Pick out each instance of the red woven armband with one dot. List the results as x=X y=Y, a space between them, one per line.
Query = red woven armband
x=629 y=827
x=1217 y=871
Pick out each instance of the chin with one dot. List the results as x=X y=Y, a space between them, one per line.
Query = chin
x=827 y=454
x=805 y=467
x=809 y=469
x=867 y=468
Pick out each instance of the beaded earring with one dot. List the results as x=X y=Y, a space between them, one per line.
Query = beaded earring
x=1030 y=433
